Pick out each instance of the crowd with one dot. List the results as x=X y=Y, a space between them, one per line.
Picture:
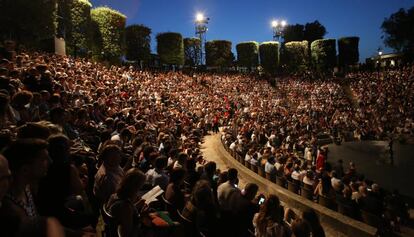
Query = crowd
x=385 y=101
x=280 y=138
x=81 y=143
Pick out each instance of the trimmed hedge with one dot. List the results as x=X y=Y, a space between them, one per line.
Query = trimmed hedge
x=109 y=29
x=248 y=54
x=138 y=43
x=170 y=48
x=78 y=36
x=348 y=52
x=296 y=55
x=192 y=49
x=28 y=21
x=324 y=53
x=218 y=53
x=269 y=56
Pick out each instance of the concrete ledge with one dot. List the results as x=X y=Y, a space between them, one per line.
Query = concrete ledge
x=335 y=220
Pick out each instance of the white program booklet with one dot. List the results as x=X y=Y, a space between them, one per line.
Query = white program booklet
x=152 y=195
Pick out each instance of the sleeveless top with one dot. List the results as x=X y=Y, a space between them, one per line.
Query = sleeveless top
x=29 y=207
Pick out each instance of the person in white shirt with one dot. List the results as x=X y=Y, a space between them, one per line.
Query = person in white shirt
x=226 y=190
x=233 y=145
x=308 y=179
x=249 y=155
x=270 y=165
x=335 y=182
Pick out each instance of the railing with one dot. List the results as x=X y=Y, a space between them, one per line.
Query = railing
x=304 y=191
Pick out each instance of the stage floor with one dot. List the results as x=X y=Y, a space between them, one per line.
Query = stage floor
x=372 y=160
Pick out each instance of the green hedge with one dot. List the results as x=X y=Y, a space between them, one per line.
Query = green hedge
x=269 y=56
x=170 y=48
x=296 y=56
x=138 y=43
x=192 y=49
x=109 y=30
x=78 y=27
x=348 y=52
x=324 y=54
x=218 y=53
x=248 y=54
x=28 y=21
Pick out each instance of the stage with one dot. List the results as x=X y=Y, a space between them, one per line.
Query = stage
x=372 y=159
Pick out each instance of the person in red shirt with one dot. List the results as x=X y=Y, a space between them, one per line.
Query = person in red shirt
x=320 y=160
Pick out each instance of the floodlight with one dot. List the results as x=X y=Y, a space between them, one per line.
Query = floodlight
x=199 y=17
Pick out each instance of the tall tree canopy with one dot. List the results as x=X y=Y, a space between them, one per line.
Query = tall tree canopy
x=138 y=43
x=313 y=31
x=398 y=30
x=192 y=51
x=293 y=33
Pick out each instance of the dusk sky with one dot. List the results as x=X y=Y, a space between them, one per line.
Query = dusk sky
x=245 y=20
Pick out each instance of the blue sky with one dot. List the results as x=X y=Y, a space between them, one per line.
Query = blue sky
x=244 y=20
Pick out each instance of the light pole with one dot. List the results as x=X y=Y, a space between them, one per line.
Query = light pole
x=277 y=27
x=201 y=30
x=379 y=62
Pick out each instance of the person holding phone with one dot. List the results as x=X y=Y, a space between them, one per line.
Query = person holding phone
x=245 y=206
x=268 y=222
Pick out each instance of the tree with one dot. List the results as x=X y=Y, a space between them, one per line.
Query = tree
x=314 y=31
x=109 y=30
x=293 y=33
x=138 y=43
x=27 y=22
x=398 y=30
x=75 y=25
x=192 y=51
x=296 y=56
x=324 y=54
x=170 y=48
x=218 y=53
x=348 y=52
x=248 y=54
x=269 y=56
